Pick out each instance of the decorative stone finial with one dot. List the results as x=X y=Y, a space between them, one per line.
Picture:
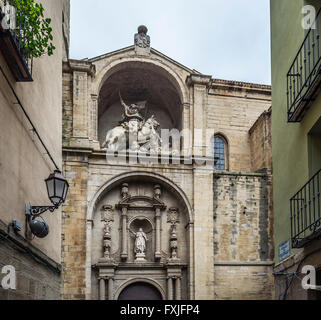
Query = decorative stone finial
x=157 y=191
x=124 y=190
x=142 y=29
x=142 y=41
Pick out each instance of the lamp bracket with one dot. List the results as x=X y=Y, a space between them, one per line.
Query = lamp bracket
x=36 y=211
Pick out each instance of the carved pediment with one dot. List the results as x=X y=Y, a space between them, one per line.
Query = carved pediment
x=141 y=202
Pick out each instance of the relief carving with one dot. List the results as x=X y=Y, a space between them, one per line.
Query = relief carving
x=107 y=218
x=173 y=219
x=173 y=216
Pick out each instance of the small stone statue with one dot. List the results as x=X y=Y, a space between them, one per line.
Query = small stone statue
x=142 y=40
x=107 y=247
x=140 y=244
x=173 y=219
x=174 y=243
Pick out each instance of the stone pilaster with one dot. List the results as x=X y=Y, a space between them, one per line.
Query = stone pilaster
x=124 y=253
x=203 y=234
x=199 y=85
x=93 y=110
x=82 y=72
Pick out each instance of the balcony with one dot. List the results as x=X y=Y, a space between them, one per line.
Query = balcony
x=306 y=213
x=303 y=78
x=13 y=44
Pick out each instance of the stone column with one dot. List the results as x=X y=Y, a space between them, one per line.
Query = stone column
x=110 y=288
x=170 y=288
x=102 y=289
x=158 y=234
x=89 y=226
x=124 y=253
x=178 y=290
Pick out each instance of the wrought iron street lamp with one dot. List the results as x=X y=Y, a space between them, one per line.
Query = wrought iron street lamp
x=57 y=189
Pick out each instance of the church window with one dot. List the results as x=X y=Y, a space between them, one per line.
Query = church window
x=220 y=152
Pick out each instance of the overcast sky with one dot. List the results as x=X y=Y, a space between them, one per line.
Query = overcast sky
x=228 y=39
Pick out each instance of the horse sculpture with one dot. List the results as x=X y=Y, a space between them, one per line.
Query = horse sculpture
x=134 y=136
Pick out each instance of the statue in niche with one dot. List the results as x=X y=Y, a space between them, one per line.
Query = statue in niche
x=134 y=133
x=140 y=244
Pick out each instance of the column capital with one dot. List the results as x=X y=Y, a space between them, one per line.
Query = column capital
x=199 y=79
x=72 y=66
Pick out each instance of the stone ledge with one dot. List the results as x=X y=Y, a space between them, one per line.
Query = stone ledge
x=244 y=264
x=240 y=174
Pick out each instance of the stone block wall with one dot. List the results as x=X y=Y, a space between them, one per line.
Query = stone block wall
x=233 y=108
x=243 y=282
x=260 y=142
x=67 y=107
x=243 y=247
x=74 y=230
x=33 y=280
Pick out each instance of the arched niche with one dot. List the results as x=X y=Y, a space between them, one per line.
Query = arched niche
x=139 y=81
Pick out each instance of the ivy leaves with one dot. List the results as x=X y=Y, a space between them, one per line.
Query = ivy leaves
x=34 y=27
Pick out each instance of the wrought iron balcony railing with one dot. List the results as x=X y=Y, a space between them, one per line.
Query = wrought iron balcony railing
x=303 y=78
x=13 y=43
x=306 y=213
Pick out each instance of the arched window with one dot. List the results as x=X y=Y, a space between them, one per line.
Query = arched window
x=220 y=152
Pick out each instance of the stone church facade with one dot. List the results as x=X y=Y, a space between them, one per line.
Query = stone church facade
x=175 y=229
